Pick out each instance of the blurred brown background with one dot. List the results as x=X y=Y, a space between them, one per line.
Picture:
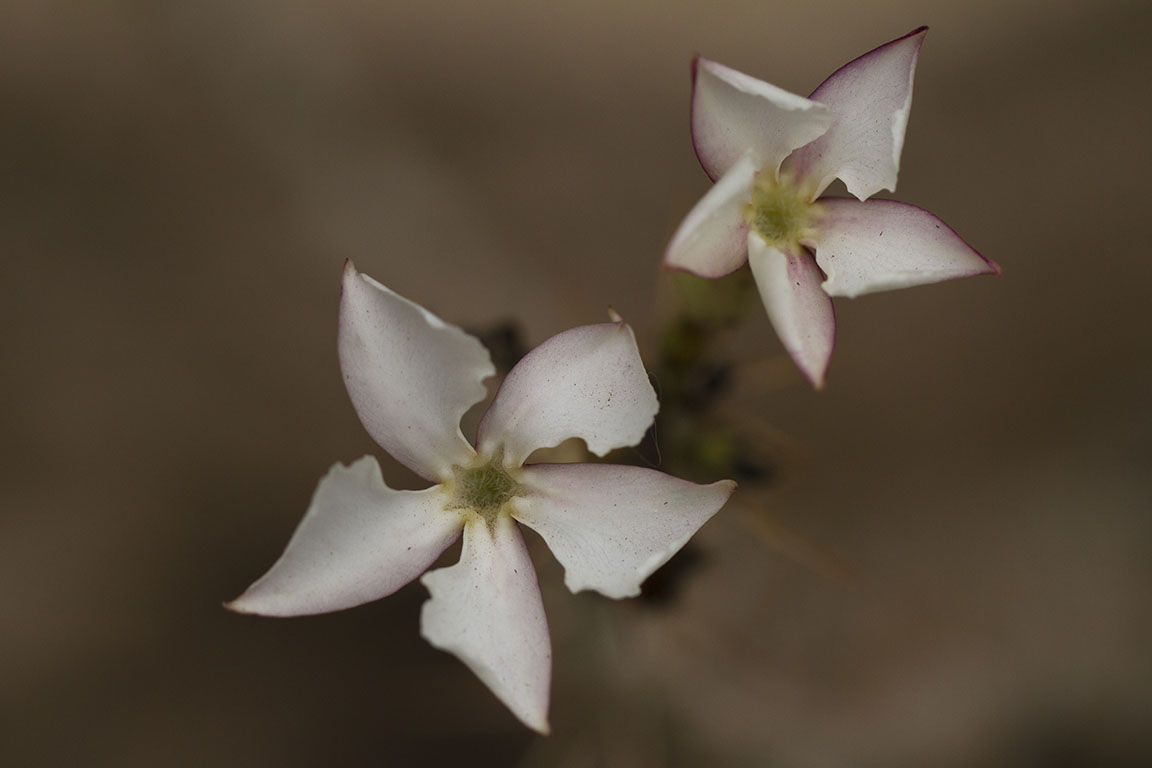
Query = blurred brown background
x=180 y=184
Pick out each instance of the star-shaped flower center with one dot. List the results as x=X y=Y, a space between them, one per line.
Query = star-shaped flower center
x=484 y=487
x=779 y=212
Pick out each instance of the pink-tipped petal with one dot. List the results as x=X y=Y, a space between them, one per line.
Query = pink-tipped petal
x=358 y=542
x=878 y=245
x=410 y=375
x=800 y=310
x=487 y=611
x=733 y=113
x=869 y=99
x=587 y=382
x=713 y=238
x=611 y=526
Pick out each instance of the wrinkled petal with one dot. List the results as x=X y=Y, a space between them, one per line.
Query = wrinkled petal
x=869 y=98
x=611 y=526
x=359 y=541
x=587 y=382
x=487 y=611
x=733 y=113
x=879 y=245
x=800 y=310
x=410 y=375
x=713 y=239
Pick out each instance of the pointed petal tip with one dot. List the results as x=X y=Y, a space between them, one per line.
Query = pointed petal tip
x=699 y=61
x=245 y=607
x=349 y=275
x=817 y=378
x=350 y=269
x=703 y=62
x=672 y=266
x=916 y=37
x=815 y=372
x=991 y=268
x=918 y=33
x=242 y=606
x=670 y=263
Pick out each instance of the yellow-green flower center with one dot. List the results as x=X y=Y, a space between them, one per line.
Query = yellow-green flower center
x=484 y=489
x=779 y=212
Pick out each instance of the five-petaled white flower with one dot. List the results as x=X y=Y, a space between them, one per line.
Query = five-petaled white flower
x=411 y=377
x=772 y=153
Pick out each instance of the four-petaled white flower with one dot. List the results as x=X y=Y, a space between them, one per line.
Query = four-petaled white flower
x=411 y=377
x=772 y=154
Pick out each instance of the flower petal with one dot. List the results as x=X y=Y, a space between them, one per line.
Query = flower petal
x=487 y=611
x=359 y=541
x=870 y=98
x=800 y=310
x=733 y=113
x=713 y=238
x=878 y=245
x=410 y=375
x=611 y=526
x=587 y=382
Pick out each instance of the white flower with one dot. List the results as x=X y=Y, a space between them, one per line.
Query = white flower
x=411 y=377
x=772 y=154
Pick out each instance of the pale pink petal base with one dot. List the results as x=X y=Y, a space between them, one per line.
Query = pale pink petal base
x=410 y=375
x=879 y=245
x=612 y=526
x=587 y=382
x=869 y=99
x=800 y=310
x=713 y=239
x=733 y=113
x=359 y=541
x=487 y=611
